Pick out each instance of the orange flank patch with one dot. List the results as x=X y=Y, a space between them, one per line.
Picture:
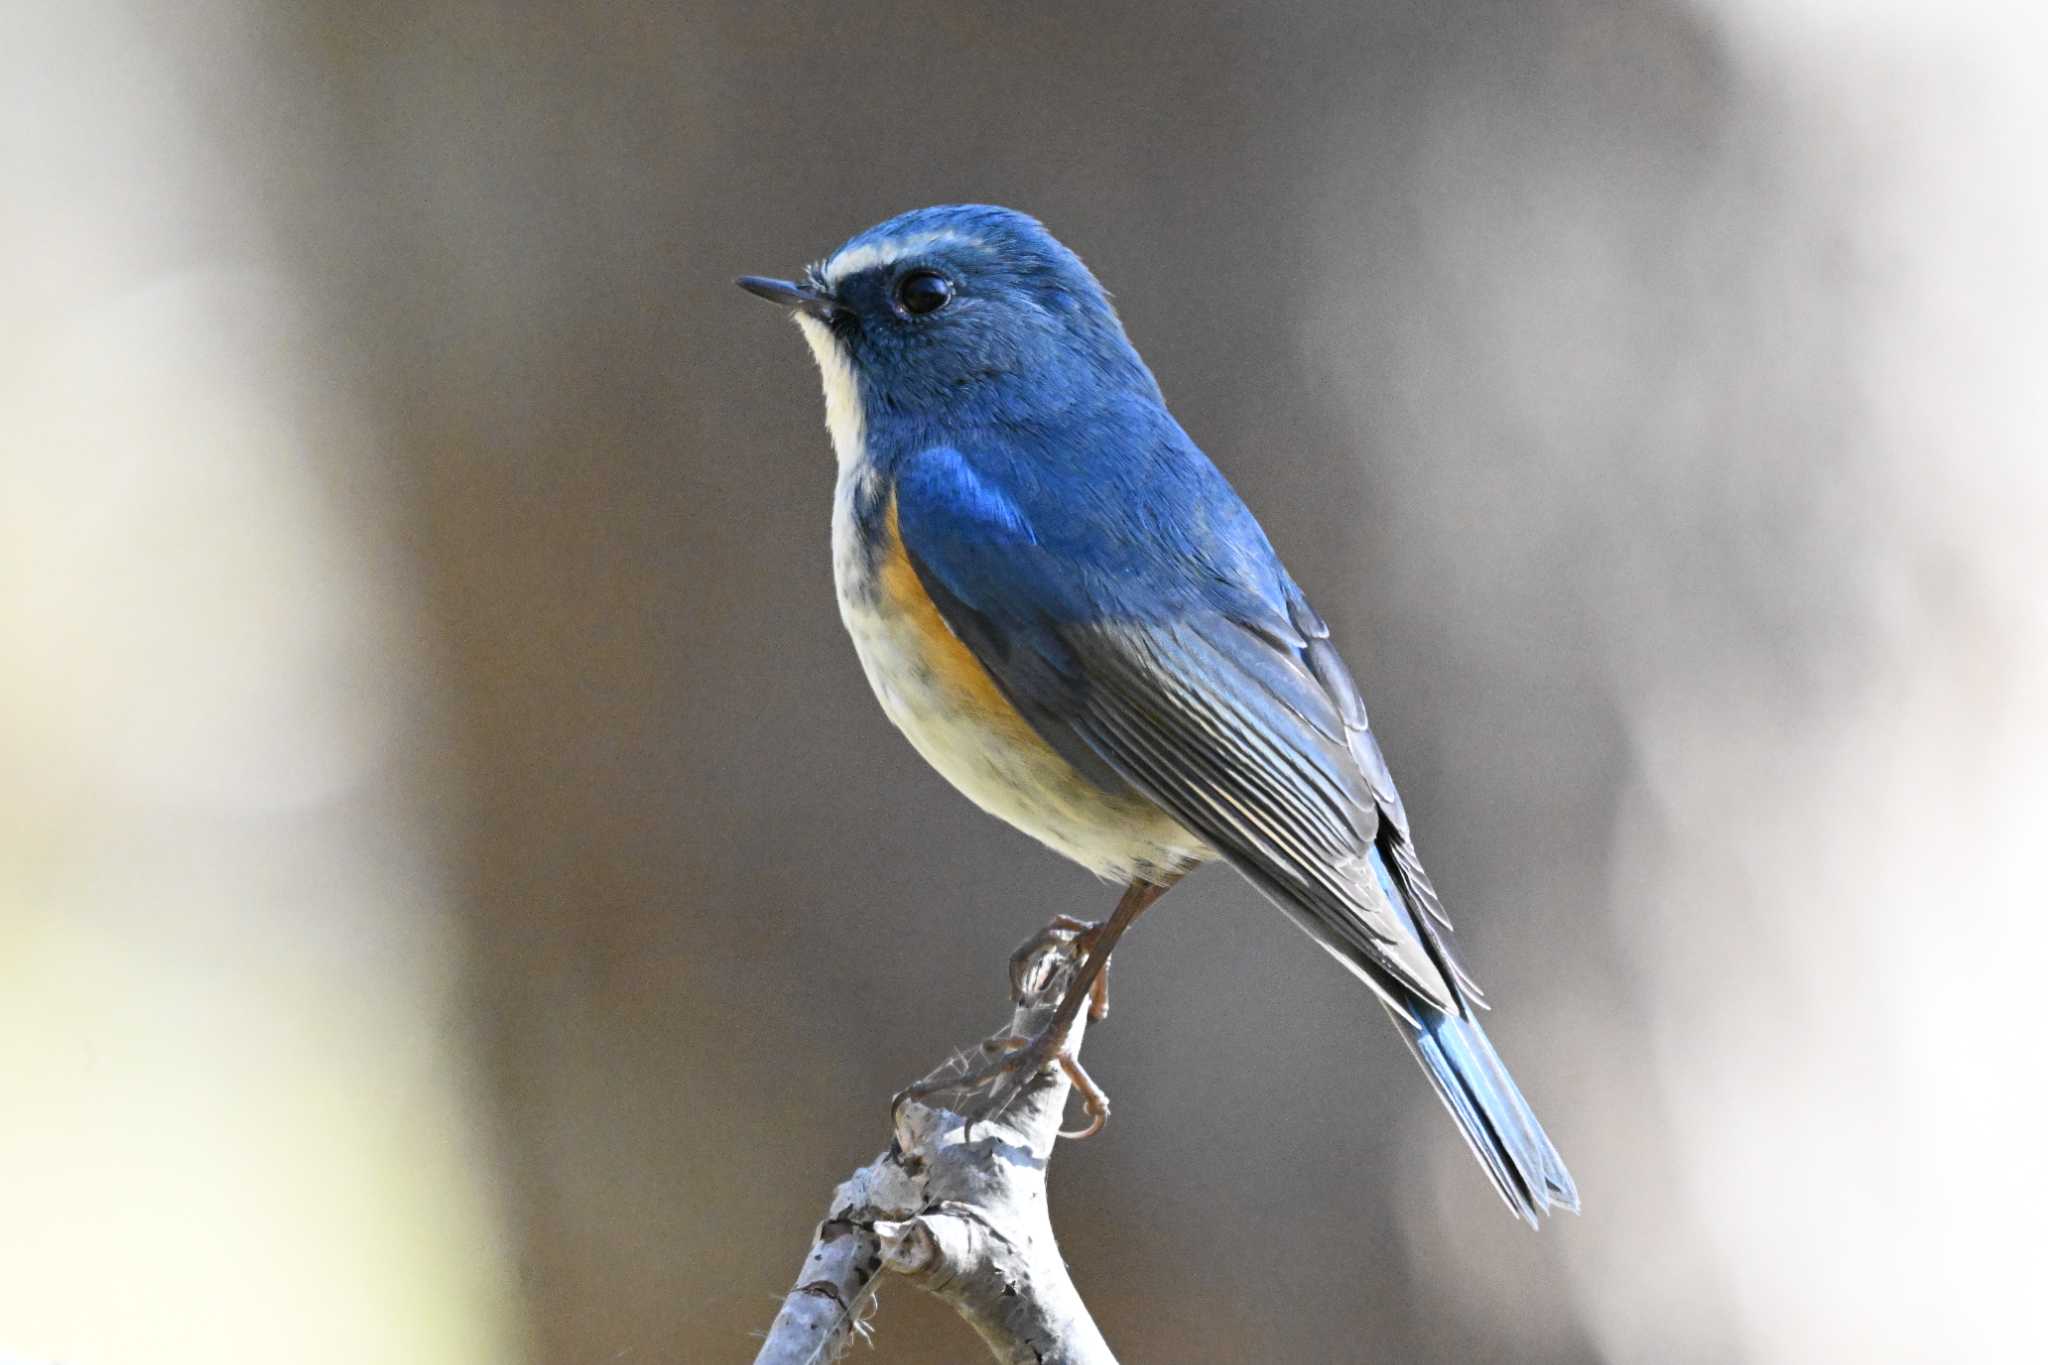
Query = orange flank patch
x=951 y=664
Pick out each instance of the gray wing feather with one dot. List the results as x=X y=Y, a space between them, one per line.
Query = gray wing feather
x=1255 y=744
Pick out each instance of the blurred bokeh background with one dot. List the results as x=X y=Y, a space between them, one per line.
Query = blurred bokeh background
x=458 y=902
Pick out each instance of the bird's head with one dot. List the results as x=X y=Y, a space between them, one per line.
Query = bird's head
x=956 y=314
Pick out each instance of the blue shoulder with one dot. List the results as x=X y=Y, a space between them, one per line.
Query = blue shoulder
x=967 y=528
x=1121 y=523
x=950 y=500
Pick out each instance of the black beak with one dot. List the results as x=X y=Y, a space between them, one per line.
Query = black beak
x=801 y=297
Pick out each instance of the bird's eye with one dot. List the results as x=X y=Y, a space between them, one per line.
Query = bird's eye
x=923 y=291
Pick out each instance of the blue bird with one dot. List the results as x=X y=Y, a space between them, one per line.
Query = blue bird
x=1077 y=621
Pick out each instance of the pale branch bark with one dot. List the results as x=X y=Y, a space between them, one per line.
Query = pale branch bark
x=957 y=1207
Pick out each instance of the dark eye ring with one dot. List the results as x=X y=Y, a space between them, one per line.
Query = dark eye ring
x=923 y=291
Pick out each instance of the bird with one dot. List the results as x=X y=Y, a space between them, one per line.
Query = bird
x=1070 y=613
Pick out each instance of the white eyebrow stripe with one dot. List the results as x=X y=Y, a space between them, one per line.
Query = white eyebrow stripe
x=866 y=257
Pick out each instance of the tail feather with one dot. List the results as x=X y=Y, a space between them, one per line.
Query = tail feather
x=1468 y=1074
x=1497 y=1122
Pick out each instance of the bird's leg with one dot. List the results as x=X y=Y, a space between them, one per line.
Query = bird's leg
x=1026 y=1057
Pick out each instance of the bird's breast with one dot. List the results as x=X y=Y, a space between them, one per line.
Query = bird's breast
x=949 y=707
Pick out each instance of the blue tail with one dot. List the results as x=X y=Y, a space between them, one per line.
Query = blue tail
x=1496 y=1120
x=1468 y=1074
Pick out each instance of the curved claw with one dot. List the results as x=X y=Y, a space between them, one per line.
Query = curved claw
x=974 y=1078
x=1092 y=1096
x=1014 y=1052
x=1065 y=932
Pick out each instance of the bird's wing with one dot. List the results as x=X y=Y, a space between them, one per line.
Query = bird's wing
x=1223 y=703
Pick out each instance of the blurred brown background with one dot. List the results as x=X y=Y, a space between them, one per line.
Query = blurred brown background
x=458 y=901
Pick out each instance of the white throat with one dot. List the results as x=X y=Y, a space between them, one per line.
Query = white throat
x=844 y=416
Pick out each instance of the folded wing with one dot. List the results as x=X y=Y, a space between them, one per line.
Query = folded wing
x=1219 y=697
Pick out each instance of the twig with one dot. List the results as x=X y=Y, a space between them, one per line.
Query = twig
x=957 y=1207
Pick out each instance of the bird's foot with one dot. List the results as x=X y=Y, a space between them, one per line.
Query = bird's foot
x=1022 y=1059
x=1031 y=966
x=1034 y=969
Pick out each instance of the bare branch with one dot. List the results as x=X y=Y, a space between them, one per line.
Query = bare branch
x=956 y=1206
